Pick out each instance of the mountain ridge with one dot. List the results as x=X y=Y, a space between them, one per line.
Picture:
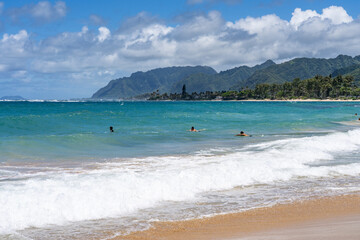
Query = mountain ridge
x=12 y=98
x=302 y=68
x=204 y=78
x=224 y=80
x=143 y=82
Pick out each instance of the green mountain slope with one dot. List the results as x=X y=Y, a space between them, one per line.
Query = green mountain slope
x=144 y=82
x=221 y=81
x=353 y=70
x=202 y=79
x=302 y=68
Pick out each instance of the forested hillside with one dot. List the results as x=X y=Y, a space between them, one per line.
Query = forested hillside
x=202 y=78
x=138 y=83
x=302 y=68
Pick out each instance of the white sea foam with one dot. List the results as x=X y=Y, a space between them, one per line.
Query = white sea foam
x=123 y=187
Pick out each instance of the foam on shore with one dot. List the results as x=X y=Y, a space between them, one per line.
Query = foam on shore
x=121 y=188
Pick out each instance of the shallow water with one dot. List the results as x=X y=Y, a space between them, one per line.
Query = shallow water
x=63 y=174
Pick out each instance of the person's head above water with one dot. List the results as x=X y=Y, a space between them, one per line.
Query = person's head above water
x=111 y=129
x=193 y=130
x=242 y=134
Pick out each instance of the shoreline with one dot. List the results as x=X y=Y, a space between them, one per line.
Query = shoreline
x=296 y=100
x=257 y=221
x=214 y=100
x=258 y=100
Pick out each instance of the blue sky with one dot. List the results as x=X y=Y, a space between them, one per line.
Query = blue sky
x=69 y=49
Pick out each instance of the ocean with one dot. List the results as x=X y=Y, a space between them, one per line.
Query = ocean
x=64 y=175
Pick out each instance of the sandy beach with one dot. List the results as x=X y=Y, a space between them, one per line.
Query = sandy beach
x=324 y=218
x=329 y=229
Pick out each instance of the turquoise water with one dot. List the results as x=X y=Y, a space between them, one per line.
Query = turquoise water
x=80 y=131
x=63 y=175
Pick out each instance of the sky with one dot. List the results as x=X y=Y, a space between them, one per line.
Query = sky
x=69 y=49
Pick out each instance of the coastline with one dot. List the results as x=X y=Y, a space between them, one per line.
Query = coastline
x=298 y=100
x=256 y=100
x=278 y=218
x=214 y=100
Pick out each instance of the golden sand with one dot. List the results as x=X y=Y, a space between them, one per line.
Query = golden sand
x=237 y=225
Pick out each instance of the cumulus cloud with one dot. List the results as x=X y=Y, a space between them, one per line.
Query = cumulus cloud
x=261 y=25
x=40 y=12
x=199 y=25
x=104 y=33
x=337 y=15
x=140 y=21
x=14 y=45
x=299 y=16
x=89 y=58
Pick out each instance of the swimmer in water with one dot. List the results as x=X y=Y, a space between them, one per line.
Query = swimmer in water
x=193 y=130
x=242 y=134
x=111 y=129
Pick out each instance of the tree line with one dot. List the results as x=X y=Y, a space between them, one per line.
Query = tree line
x=318 y=87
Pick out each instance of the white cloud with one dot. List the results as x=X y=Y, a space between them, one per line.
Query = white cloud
x=260 y=25
x=14 y=45
x=60 y=8
x=41 y=12
x=104 y=33
x=211 y=23
x=90 y=58
x=299 y=16
x=17 y=37
x=337 y=15
x=84 y=30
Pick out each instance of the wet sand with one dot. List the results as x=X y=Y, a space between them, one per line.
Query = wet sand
x=282 y=221
x=346 y=228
